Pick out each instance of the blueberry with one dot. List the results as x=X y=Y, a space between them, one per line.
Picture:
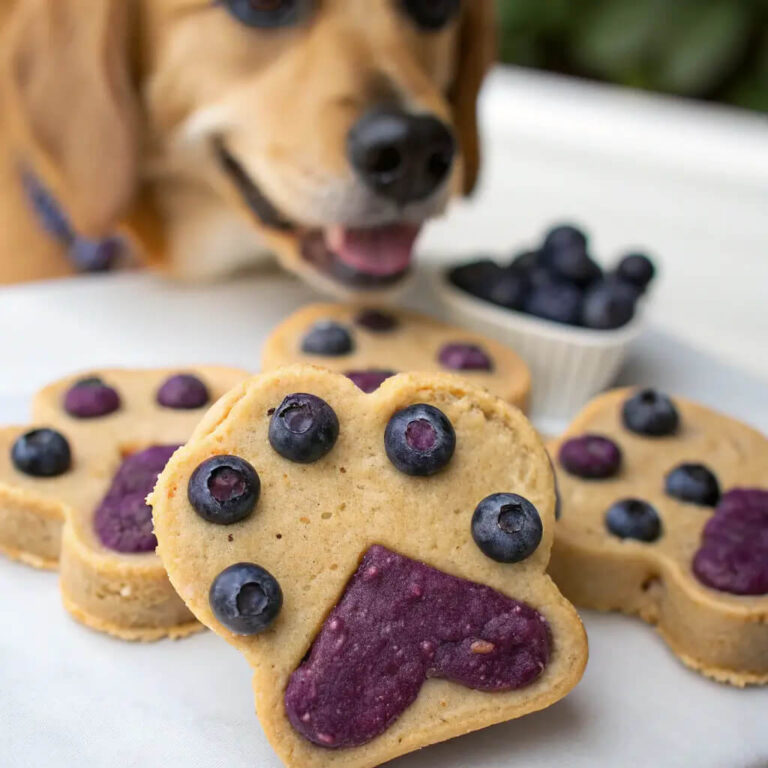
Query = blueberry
x=565 y=236
x=303 y=429
x=465 y=357
x=525 y=261
x=91 y=398
x=628 y=291
x=420 y=440
x=246 y=599
x=590 y=457
x=224 y=490
x=369 y=381
x=573 y=265
x=475 y=276
x=183 y=392
x=637 y=269
x=42 y=453
x=376 y=321
x=633 y=519
x=506 y=527
x=693 y=483
x=651 y=413
x=508 y=289
x=559 y=302
x=327 y=338
x=488 y=281
x=608 y=306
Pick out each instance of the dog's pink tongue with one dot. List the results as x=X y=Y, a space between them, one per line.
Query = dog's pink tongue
x=379 y=251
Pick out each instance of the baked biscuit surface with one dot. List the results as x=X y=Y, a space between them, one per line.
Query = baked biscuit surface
x=87 y=516
x=356 y=665
x=671 y=526
x=370 y=345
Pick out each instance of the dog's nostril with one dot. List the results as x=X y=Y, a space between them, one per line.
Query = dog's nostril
x=385 y=161
x=439 y=164
x=401 y=156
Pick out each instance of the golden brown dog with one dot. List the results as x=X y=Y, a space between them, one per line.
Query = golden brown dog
x=212 y=131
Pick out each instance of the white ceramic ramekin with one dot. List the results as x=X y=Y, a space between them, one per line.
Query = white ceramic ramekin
x=568 y=365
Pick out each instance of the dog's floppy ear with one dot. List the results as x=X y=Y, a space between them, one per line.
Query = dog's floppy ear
x=477 y=51
x=70 y=104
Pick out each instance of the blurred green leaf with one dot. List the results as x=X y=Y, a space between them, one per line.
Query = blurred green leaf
x=704 y=43
x=612 y=38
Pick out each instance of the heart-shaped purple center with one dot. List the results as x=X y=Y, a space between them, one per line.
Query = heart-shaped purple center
x=399 y=623
x=733 y=556
x=123 y=520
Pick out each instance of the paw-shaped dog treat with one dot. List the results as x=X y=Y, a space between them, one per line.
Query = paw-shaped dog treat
x=663 y=516
x=73 y=490
x=370 y=345
x=378 y=558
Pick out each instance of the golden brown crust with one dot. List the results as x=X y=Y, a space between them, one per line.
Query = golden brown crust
x=723 y=636
x=49 y=522
x=413 y=346
x=313 y=523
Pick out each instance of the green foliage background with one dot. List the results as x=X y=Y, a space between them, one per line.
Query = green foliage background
x=709 y=49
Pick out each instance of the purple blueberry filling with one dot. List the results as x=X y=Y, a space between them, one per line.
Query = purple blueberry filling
x=733 y=556
x=123 y=520
x=183 y=392
x=91 y=398
x=592 y=457
x=377 y=321
x=465 y=357
x=398 y=624
x=369 y=381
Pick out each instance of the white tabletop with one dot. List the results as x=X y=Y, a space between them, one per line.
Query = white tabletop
x=69 y=696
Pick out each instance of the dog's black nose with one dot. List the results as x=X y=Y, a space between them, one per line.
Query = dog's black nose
x=401 y=156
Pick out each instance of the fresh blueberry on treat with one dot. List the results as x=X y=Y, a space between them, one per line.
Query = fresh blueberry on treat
x=507 y=527
x=183 y=392
x=733 y=556
x=651 y=413
x=636 y=269
x=246 y=599
x=465 y=357
x=559 y=302
x=420 y=440
x=224 y=490
x=633 y=519
x=369 y=381
x=693 y=483
x=608 y=306
x=573 y=265
x=303 y=429
x=376 y=321
x=563 y=237
x=327 y=338
x=42 y=453
x=592 y=457
x=91 y=398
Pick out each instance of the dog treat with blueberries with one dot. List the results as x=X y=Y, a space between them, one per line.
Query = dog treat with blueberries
x=73 y=490
x=370 y=345
x=665 y=515
x=378 y=558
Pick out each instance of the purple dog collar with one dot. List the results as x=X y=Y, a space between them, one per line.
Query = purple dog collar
x=87 y=255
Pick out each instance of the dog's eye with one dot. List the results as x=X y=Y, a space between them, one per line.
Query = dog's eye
x=431 y=15
x=267 y=13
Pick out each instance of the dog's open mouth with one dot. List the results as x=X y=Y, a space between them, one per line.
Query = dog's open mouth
x=368 y=258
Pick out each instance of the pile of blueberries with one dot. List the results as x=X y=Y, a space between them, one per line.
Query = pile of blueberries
x=561 y=282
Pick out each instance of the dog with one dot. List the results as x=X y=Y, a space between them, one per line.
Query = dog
x=211 y=132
